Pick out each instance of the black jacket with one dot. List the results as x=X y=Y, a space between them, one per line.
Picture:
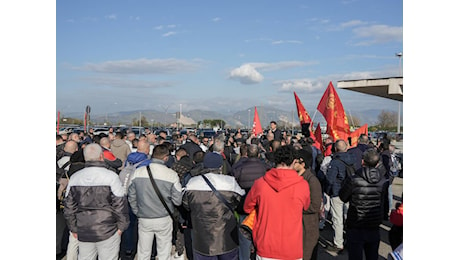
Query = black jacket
x=246 y=173
x=365 y=191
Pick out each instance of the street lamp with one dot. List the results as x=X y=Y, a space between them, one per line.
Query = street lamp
x=399 y=55
x=249 y=117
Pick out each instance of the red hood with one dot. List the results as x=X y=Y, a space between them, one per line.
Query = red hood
x=280 y=179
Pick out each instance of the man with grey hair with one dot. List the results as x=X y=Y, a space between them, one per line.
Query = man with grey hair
x=218 y=147
x=95 y=207
x=335 y=175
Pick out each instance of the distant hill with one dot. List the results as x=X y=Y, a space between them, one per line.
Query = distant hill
x=237 y=119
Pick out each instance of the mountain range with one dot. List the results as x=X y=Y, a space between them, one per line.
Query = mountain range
x=238 y=119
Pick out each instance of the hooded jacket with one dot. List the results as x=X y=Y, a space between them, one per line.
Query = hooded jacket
x=279 y=198
x=365 y=191
x=337 y=172
x=120 y=149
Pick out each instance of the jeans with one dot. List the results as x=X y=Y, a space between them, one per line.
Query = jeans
x=232 y=255
x=245 y=244
x=365 y=239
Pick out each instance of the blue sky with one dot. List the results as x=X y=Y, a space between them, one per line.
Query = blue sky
x=221 y=55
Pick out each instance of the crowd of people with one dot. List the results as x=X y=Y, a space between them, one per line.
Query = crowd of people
x=119 y=196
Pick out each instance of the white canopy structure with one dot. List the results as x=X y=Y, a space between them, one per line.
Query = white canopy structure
x=391 y=88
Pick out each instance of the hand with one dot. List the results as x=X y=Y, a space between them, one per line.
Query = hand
x=75 y=235
x=119 y=232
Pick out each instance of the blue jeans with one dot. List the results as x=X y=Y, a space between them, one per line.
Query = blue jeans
x=129 y=236
x=245 y=244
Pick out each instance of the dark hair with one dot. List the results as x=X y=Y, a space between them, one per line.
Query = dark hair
x=306 y=155
x=198 y=156
x=273 y=122
x=371 y=157
x=284 y=155
x=160 y=151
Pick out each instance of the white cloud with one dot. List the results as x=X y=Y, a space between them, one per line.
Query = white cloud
x=159 y=27
x=286 y=41
x=111 y=17
x=246 y=74
x=127 y=83
x=352 y=23
x=307 y=85
x=376 y=34
x=142 y=66
x=168 y=34
x=216 y=19
x=278 y=65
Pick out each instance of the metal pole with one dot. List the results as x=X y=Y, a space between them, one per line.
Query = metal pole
x=399 y=54
x=249 y=117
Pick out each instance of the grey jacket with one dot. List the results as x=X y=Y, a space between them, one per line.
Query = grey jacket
x=142 y=196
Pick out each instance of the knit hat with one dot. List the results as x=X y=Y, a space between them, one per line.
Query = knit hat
x=212 y=160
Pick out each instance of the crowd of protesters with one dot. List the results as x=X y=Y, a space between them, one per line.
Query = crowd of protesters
x=189 y=194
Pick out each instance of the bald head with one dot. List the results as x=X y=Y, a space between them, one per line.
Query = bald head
x=70 y=146
x=143 y=146
x=105 y=142
x=341 y=146
x=363 y=139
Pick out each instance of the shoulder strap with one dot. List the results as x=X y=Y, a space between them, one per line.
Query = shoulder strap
x=158 y=192
x=218 y=194
x=64 y=174
x=347 y=166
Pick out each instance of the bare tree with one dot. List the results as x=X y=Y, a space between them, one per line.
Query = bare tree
x=387 y=119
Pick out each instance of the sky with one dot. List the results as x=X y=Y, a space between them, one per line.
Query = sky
x=222 y=55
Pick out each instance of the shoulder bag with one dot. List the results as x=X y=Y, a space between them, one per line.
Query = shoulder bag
x=221 y=198
x=159 y=193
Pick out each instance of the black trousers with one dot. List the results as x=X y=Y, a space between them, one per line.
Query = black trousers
x=365 y=240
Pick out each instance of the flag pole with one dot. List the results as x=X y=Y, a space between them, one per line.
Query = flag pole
x=313 y=119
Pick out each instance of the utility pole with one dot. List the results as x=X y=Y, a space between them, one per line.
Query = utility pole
x=399 y=55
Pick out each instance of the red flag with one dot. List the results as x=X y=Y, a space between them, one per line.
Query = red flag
x=256 y=126
x=331 y=108
x=59 y=115
x=355 y=135
x=304 y=118
x=318 y=138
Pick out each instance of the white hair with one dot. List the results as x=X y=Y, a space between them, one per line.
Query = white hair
x=92 y=152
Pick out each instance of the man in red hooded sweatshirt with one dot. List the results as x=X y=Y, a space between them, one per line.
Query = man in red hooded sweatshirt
x=279 y=198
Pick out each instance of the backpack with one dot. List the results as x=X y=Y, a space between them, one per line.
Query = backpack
x=60 y=171
x=126 y=174
x=350 y=168
x=62 y=180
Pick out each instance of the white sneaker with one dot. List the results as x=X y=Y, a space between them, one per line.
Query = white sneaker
x=179 y=257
